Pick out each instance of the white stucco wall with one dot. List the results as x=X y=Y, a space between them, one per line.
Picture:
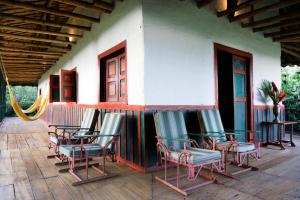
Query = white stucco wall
x=179 y=62
x=125 y=23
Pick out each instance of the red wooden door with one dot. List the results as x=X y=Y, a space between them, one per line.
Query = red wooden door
x=116 y=79
x=68 y=86
x=54 y=88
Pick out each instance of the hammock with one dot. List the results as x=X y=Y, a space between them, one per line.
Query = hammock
x=17 y=108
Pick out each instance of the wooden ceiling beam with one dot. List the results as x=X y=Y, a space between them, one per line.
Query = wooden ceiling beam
x=276 y=6
x=17 y=53
x=282 y=33
x=291 y=52
x=55 y=53
x=36 y=39
x=29 y=59
x=289 y=41
x=86 y=5
x=272 y=20
x=104 y=4
x=202 y=3
x=28 y=44
x=295 y=48
x=290 y=37
x=27 y=30
x=49 y=11
x=5 y=61
x=27 y=65
x=44 y=22
x=277 y=25
x=238 y=7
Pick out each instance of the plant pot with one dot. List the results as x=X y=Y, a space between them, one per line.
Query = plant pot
x=276 y=112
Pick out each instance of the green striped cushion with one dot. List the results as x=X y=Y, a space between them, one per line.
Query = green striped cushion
x=92 y=149
x=87 y=121
x=198 y=156
x=171 y=124
x=111 y=125
x=210 y=121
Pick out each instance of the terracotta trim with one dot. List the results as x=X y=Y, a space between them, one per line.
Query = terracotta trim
x=179 y=107
x=266 y=107
x=123 y=106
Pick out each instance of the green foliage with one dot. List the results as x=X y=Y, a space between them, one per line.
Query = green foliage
x=291 y=85
x=26 y=96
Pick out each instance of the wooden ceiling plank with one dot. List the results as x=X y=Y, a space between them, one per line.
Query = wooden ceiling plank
x=27 y=30
x=44 y=22
x=56 y=53
x=85 y=5
x=104 y=5
x=291 y=37
x=282 y=33
x=272 y=20
x=264 y=9
x=238 y=7
x=277 y=25
x=36 y=39
x=28 y=44
x=29 y=58
x=49 y=11
x=297 y=55
x=295 y=48
x=16 y=53
x=202 y=3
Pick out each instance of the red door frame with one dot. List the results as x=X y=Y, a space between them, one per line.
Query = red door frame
x=106 y=53
x=243 y=54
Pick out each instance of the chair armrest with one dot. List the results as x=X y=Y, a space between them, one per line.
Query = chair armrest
x=248 y=131
x=60 y=125
x=176 y=139
x=52 y=133
x=71 y=128
x=117 y=135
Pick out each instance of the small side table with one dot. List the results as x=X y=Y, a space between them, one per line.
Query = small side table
x=281 y=129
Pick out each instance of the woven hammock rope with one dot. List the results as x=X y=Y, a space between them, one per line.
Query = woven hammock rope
x=39 y=103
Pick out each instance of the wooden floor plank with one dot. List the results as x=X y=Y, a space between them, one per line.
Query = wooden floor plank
x=7 y=192
x=26 y=173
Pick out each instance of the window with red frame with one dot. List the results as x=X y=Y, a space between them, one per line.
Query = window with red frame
x=68 y=86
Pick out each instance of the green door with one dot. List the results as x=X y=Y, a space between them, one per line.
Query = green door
x=240 y=96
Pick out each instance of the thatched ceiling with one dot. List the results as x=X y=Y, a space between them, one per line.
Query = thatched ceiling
x=35 y=33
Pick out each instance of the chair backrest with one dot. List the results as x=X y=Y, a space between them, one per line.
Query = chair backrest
x=171 y=124
x=89 y=120
x=112 y=124
x=210 y=121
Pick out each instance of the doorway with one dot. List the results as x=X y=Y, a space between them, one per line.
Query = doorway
x=234 y=89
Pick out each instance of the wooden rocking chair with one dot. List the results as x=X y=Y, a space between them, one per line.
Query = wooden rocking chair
x=107 y=139
x=211 y=124
x=174 y=146
x=65 y=134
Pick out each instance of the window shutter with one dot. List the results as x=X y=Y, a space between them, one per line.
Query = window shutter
x=112 y=80
x=122 y=78
x=68 y=86
x=54 y=88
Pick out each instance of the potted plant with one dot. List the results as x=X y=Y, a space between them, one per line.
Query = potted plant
x=269 y=89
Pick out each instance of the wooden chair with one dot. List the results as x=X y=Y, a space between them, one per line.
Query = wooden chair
x=65 y=134
x=211 y=124
x=174 y=146
x=107 y=138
